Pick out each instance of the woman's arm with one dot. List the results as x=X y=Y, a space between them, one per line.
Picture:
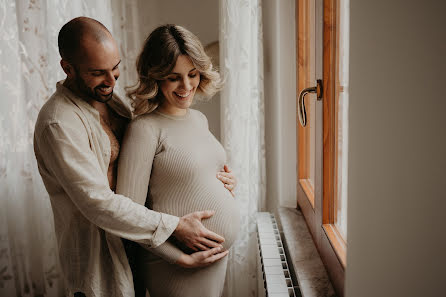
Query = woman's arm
x=135 y=166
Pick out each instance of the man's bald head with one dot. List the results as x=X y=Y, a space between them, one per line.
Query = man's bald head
x=80 y=29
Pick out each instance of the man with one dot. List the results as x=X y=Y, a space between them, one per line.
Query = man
x=76 y=143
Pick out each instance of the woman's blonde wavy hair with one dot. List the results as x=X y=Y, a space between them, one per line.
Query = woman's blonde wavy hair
x=157 y=60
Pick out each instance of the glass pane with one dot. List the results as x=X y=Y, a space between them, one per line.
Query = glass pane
x=342 y=117
x=311 y=126
x=311 y=82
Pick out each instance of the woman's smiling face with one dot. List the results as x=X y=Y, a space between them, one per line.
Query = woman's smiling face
x=179 y=87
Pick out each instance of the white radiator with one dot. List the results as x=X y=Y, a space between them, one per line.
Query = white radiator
x=274 y=278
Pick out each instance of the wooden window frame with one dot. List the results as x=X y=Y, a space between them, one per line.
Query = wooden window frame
x=303 y=172
x=318 y=205
x=330 y=121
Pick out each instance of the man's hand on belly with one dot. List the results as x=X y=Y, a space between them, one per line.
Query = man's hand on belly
x=194 y=235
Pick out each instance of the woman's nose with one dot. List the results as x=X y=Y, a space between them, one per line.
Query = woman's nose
x=186 y=84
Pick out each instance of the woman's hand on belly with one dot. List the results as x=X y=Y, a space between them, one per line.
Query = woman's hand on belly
x=228 y=179
x=201 y=259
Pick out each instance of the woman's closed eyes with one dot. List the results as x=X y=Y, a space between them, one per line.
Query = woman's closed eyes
x=178 y=77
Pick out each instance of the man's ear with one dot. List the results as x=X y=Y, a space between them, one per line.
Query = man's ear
x=67 y=68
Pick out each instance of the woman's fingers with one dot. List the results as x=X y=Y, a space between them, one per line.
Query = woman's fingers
x=229 y=187
x=214 y=254
x=224 y=176
x=228 y=174
x=203 y=258
x=226 y=179
x=211 y=252
x=217 y=256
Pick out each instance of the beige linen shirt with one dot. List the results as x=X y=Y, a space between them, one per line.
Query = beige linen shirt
x=73 y=153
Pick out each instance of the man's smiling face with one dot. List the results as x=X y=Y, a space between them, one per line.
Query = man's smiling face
x=97 y=69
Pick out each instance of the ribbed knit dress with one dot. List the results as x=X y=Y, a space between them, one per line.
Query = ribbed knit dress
x=173 y=162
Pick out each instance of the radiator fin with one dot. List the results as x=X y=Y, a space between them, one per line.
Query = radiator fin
x=275 y=280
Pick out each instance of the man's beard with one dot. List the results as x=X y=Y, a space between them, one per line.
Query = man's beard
x=84 y=89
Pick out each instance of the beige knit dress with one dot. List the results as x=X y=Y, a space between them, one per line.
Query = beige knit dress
x=173 y=161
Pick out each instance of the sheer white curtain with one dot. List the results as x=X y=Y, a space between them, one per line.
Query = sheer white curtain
x=242 y=114
x=29 y=71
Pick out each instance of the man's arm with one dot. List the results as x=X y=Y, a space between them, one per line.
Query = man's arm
x=67 y=156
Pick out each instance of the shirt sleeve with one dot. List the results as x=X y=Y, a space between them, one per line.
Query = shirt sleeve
x=67 y=155
x=135 y=165
x=167 y=250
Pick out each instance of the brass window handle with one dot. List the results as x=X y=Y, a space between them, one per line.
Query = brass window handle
x=302 y=111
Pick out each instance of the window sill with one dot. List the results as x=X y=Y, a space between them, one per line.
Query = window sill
x=306 y=263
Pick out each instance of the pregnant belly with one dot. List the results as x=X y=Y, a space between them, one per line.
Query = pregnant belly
x=180 y=200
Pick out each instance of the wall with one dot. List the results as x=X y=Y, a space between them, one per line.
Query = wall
x=396 y=209
x=280 y=102
x=199 y=17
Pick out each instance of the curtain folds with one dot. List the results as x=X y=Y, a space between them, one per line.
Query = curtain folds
x=242 y=114
x=29 y=70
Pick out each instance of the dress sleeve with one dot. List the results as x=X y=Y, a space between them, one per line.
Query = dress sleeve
x=68 y=157
x=135 y=165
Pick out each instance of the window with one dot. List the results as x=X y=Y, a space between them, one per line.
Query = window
x=322 y=54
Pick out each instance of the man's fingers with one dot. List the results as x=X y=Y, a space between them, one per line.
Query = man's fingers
x=205 y=214
x=226 y=168
x=201 y=247
x=210 y=243
x=214 y=236
x=192 y=247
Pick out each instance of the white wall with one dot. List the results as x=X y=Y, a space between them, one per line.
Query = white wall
x=397 y=151
x=280 y=102
x=199 y=17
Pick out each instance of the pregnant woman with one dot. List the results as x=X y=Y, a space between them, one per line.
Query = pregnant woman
x=169 y=161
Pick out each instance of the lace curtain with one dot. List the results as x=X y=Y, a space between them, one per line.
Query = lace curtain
x=29 y=71
x=242 y=110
